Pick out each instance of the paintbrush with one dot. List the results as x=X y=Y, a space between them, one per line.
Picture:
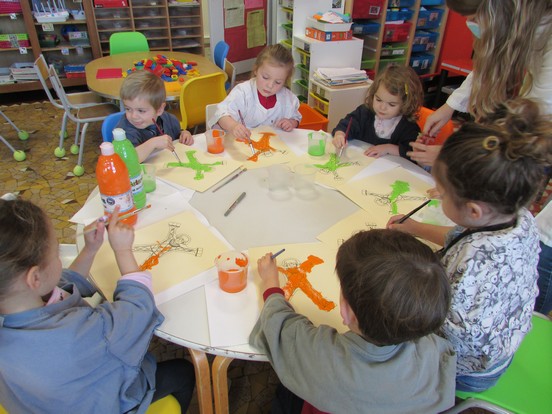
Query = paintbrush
x=248 y=138
x=242 y=170
x=403 y=219
x=346 y=136
x=106 y=218
x=278 y=253
x=162 y=133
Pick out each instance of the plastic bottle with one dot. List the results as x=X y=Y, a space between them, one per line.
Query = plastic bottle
x=114 y=183
x=128 y=154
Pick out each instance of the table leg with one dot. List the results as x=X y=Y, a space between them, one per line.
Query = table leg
x=220 y=383
x=203 y=381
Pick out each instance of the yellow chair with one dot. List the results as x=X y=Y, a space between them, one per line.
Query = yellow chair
x=196 y=94
x=123 y=42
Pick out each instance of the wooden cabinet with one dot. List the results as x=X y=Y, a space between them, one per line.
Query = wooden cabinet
x=167 y=25
x=405 y=32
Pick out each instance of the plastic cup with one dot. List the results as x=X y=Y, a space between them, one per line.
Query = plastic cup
x=279 y=182
x=304 y=181
x=317 y=143
x=148 y=177
x=232 y=271
x=215 y=140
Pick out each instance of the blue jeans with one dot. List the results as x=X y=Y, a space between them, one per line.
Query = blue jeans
x=544 y=300
x=468 y=383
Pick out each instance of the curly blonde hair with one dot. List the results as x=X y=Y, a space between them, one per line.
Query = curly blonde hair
x=509 y=54
x=399 y=81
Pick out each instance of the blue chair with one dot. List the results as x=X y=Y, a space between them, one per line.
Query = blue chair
x=220 y=53
x=109 y=124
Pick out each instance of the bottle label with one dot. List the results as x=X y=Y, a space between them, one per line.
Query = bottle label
x=137 y=183
x=125 y=201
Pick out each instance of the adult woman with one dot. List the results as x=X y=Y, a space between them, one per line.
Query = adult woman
x=512 y=57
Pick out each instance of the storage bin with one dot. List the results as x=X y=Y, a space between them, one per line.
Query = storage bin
x=393 y=49
x=367 y=9
x=312 y=119
x=48 y=39
x=424 y=41
x=421 y=63
x=14 y=40
x=432 y=2
x=286 y=43
x=400 y=3
x=10 y=6
x=368 y=52
x=403 y=14
x=320 y=104
x=396 y=32
x=365 y=28
x=303 y=84
x=288 y=13
x=368 y=64
x=304 y=57
x=401 y=60
x=429 y=19
x=318 y=90
x=304 y=71
x=79 y=39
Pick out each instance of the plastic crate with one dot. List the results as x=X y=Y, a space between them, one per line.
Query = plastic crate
x=432 y=2
x=401 y=60
x=14 y=40
x=396 y=32
x=367 y=9
x=48 y=39
x=429 y=19
x=393 y=49
x=10 y=6
x=421 y=63
x=424 y=41
x=288 y=14
x=304 y=71
x=312 y=119
x=394 y=15
x=368 y=64
x=365 y=28
x=320 y=104
x=400 y=3
x=305 y=57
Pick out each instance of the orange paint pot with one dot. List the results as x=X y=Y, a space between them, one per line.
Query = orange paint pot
x=215 y=140
x=232 y=271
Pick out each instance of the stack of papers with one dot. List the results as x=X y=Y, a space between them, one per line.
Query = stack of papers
x=340 y=76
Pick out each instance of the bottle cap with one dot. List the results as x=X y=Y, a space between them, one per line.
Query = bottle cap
x=119 y=134
x=107 y=148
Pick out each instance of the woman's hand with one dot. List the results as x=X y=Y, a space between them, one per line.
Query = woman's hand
x=423 y=154
x=437 y=120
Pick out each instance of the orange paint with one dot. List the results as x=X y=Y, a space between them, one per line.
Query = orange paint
x=216 y=147
x=233 y=280
x=153 y=260
x=297 y=279
x=260 y=146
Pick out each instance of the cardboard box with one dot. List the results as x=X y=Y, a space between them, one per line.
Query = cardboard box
x=328 y=36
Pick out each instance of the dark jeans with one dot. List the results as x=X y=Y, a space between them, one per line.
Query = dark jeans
x=544 y=300
x=176 y=377
x=286 y=402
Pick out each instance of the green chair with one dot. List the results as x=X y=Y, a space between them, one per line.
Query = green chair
x=526 y=386
x=123 y=42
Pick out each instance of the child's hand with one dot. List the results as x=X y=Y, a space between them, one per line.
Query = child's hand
x=424 y=155
x=338 y=140
x=286 y=124
x=380 y=150
x=268 y=271
x=241 y=131
x=93 y=239
x=121 y=235
x=434 y=194
x=186 y=138
x=163 y=142
x=408 y=226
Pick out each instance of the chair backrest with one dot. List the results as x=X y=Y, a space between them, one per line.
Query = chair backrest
x=196 y=94
x=445 y=132
x=41 y=69
x=231 y=73
x=525 y=386
x=122 y=42
x=109 y=124
x=60 y=91
x=209 y=112
x=220 y=53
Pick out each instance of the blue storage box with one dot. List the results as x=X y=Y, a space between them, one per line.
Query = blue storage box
x=424 y=41
x=421 y=63
x=432 y=2
x=394 y=15
x=400 y=3
x=365 y=28
x=429 y=19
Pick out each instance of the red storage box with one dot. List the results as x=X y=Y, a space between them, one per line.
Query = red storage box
x=367 y=9
x=396 y=32
x=312 y=119
x=14 y=40
x=110 y=3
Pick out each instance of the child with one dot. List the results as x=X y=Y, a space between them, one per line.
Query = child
x=486 y=176
x=390 y=361
x=146 y=123
x=59 y=354
x=264 y=100
x=387 y=119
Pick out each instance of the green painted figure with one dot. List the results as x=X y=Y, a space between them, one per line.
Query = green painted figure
x=194 y=164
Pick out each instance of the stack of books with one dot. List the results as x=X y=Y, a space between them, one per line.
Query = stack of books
x=340 y=76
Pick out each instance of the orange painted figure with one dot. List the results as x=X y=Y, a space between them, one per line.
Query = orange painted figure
x=153 y=260
x=297 y=279
x=261 y=146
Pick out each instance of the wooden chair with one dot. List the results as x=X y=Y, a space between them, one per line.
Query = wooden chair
x=122 y=42
x=79 y=115
x=230 y=70
x=196 y=94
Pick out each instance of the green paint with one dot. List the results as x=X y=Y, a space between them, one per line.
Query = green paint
x=195 y=165
x=398 y=188
x=433 y=203
x=333 y=164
